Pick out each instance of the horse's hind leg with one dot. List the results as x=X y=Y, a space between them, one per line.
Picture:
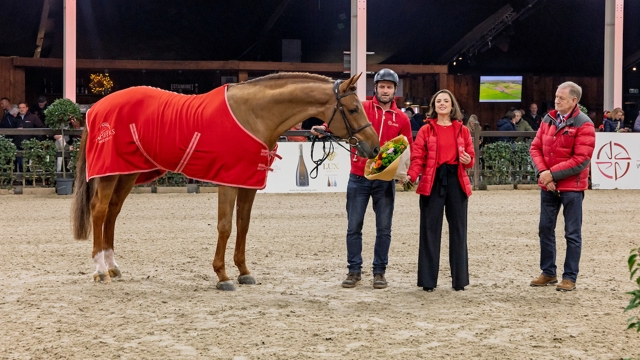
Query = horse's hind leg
x=226 y=200
x=245 y=202
x=99 y=209
x=122 y=189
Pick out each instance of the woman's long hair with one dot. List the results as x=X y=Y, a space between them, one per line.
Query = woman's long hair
x=455 y=108
x=615 y=113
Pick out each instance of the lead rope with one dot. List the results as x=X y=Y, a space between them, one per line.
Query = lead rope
x=327 y=137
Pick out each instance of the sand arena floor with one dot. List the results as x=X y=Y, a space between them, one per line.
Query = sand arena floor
x=166 y=305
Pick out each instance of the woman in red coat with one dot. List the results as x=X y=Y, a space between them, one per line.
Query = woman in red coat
x=440 y=154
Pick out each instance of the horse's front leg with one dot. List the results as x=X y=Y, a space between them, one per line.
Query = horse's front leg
x=245 y=202
x=226 y=200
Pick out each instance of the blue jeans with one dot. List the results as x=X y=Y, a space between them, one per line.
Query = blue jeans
x=550 y=203
x=383 y=193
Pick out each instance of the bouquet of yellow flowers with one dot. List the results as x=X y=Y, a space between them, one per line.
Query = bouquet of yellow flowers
x=392 y=161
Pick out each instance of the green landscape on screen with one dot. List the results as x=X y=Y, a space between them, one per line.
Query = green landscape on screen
x=500 y=88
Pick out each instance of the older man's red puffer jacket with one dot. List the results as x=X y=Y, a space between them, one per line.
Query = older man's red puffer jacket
x=566 y=150
x=424 y=157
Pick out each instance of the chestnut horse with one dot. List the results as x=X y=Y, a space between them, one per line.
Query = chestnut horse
x=265 y=107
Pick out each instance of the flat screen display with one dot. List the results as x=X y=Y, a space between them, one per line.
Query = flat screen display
x=500 y=88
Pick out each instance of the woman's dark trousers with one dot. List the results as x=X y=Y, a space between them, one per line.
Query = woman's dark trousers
x=446 y=197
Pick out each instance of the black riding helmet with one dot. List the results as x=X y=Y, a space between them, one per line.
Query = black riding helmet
x=386 y=74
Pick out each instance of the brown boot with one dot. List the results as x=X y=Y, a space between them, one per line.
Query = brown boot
x=566 y=285
x=544 y=280
x=379 y=282
x=351 y=280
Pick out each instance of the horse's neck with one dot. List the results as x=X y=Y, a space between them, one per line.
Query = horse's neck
x=269 y=111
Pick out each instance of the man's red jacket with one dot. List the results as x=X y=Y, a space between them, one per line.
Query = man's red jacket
x=388 y=124
x=566 y=150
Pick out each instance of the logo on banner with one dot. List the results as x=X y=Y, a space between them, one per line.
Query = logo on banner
x=613 y=160
x=330 y=165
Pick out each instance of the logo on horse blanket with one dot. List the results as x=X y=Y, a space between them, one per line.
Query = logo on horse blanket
x=160 y=131
x=105 y=132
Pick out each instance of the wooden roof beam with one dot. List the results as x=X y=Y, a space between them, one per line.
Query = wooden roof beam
x=234 y=65
x=44 y=17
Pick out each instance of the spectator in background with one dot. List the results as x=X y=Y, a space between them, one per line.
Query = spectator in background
x=636 y=124
x=615 y=122
x=8 y=121
x=507 y=123
x=40 y=107
x=474 y=125
x=521 y=125
x=26 y=120
x=14 y=111
x=417 y=121
x=533 y=117
x=297 y=138
x=409 y=112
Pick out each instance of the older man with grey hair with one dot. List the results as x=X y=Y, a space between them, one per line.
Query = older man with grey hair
x=561 y=153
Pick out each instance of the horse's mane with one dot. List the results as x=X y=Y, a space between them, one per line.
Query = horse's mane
x=288 y=76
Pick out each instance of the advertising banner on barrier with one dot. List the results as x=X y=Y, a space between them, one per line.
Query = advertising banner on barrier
x=293 y=174
x=616 y=161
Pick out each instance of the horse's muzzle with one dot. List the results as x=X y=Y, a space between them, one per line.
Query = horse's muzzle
x=365 y=150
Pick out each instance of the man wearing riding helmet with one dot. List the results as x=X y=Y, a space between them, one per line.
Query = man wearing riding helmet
x=389 y=122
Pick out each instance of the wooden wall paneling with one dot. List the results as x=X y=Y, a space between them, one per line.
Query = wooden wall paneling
x=6 y=70
x=12 y=81
x=18 y=87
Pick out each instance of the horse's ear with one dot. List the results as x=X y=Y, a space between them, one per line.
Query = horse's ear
x=350 y=84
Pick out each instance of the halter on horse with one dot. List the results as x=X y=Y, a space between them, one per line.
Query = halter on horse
x=262 y=108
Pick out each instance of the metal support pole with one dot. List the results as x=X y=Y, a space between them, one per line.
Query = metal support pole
x=359 y=45
x=614 y=20
x=69 y=51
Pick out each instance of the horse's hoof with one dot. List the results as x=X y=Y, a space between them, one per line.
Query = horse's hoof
x=99 y=276
x=115 y=273
x=225 y=285
x=246 y=279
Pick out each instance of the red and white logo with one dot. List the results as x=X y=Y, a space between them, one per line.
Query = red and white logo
x=613 y=160
x=105 y=133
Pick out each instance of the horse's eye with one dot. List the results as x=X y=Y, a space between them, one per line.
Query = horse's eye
x=353 y=111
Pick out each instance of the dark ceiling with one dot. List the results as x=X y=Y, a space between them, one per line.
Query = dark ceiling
x=553 y=37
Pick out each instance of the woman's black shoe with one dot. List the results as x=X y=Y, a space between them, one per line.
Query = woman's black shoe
x=427 y=289
x=458 y=288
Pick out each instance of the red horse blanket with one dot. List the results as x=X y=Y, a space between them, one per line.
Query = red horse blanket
x=151 y=131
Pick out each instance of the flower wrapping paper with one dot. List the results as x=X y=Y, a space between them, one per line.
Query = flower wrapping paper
x=397 y=170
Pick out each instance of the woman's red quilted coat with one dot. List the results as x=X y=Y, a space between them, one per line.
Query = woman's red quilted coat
x=424 y=156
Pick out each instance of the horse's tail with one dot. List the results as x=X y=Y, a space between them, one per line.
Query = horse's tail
x=83 y=189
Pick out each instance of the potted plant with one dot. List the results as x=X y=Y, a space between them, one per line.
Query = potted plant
x=58 y=116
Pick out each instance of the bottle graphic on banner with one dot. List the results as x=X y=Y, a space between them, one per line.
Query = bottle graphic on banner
x=302 y=176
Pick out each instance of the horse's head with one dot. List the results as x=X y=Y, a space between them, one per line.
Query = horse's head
x=349 y=121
